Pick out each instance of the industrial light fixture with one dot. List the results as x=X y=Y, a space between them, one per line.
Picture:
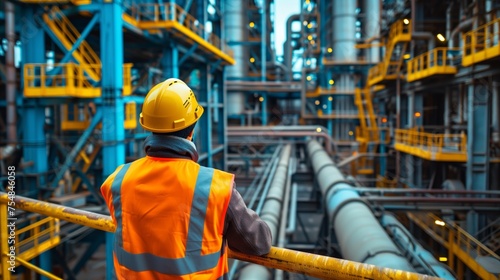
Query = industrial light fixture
x=304 y=22
x=406 y=21
x=351 y=133
x=309 y=78
x=312 y=42
x=316 y=102
x=251 y=24
x=439 y=223
x=310 y=37
x=330 y=98
x=261 y=99
x=318 y=129
x=384 y=120
x=443 y=259
x=324 y=106
x=310 y=25
x=406 y=56
x=417 y=115
x=308 y=62
x=252 y=60
x=441 y=37
x=330 y=50
x=331 y=82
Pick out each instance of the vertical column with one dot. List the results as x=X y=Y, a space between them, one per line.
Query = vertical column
x=113 y=133
x=478 y=137
x=170 y=61
x=222 y=116
x=418 y=121
x=205 y=123
x=34 y=140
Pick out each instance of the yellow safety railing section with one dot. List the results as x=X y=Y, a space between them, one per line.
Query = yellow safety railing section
x=430 y=146
x=80 y=116
x=438 y=61
x=172 y=18
x=459 y=243
x=72 y=81
x=40 y=235
x=322 y=267
x=481 y=44
x=44 y=80
x=68 y=35
x=388 y=69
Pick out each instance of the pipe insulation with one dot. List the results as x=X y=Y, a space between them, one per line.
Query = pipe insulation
x=235 y=22
x=411 y=247
x=271 y=213
x=360 y=236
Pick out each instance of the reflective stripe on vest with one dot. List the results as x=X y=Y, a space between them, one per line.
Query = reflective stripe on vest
x=193 y=260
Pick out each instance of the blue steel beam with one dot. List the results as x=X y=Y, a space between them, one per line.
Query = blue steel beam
x=34 y=140
x=113 y=132
x=187 y=54
x=478 y=146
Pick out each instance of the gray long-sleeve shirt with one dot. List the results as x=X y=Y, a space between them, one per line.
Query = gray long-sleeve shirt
x=243 y=229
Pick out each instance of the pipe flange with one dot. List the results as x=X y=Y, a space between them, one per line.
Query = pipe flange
x=344 y=203
x=369 y=255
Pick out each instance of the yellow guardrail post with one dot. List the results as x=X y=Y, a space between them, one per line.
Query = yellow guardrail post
x=278 y=258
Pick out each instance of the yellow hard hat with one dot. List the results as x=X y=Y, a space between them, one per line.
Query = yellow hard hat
x=169 y=106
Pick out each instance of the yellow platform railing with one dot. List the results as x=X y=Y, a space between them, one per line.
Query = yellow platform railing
x=481 y=44
x=322 y=267
x=169 y=16
x=459 y=243
x=80 y=116
x=41 y=80
x=438 y=61
x=19 y=246
x=430 y=146
x=68 y=35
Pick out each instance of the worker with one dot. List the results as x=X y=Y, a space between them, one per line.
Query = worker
x=174 y=218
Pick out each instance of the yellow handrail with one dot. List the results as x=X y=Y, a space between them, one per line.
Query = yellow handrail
x=432 y=142
x=164 y=12
x=279 y=258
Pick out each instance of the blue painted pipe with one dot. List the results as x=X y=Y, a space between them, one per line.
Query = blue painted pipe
x=412 y=248
x=360 y=236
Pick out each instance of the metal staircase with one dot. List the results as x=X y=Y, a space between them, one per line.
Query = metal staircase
x=460 y=245
x=389 y=68
x=68 y=35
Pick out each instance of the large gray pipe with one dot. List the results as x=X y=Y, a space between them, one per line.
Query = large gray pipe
x=287 y=46
x=235 y=31
x=360 y=236
x=412 y=248
x=271 y=213
x=372 y=27
x=10 y=73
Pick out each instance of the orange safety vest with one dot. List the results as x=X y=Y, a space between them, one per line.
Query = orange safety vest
x=169 y=215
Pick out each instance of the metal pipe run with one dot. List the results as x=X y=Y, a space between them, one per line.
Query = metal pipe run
x=360 y=236
x=278 y=258
x=271 y=213
x=410 y=247
x=10 y=73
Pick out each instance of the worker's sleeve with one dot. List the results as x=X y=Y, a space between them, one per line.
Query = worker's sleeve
x=244 y=230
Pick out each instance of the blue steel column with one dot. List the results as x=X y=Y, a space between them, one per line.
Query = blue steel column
x=34 y=142
x=170 y=61
x=113 y=132
x=478 y=137
x=205 y=123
